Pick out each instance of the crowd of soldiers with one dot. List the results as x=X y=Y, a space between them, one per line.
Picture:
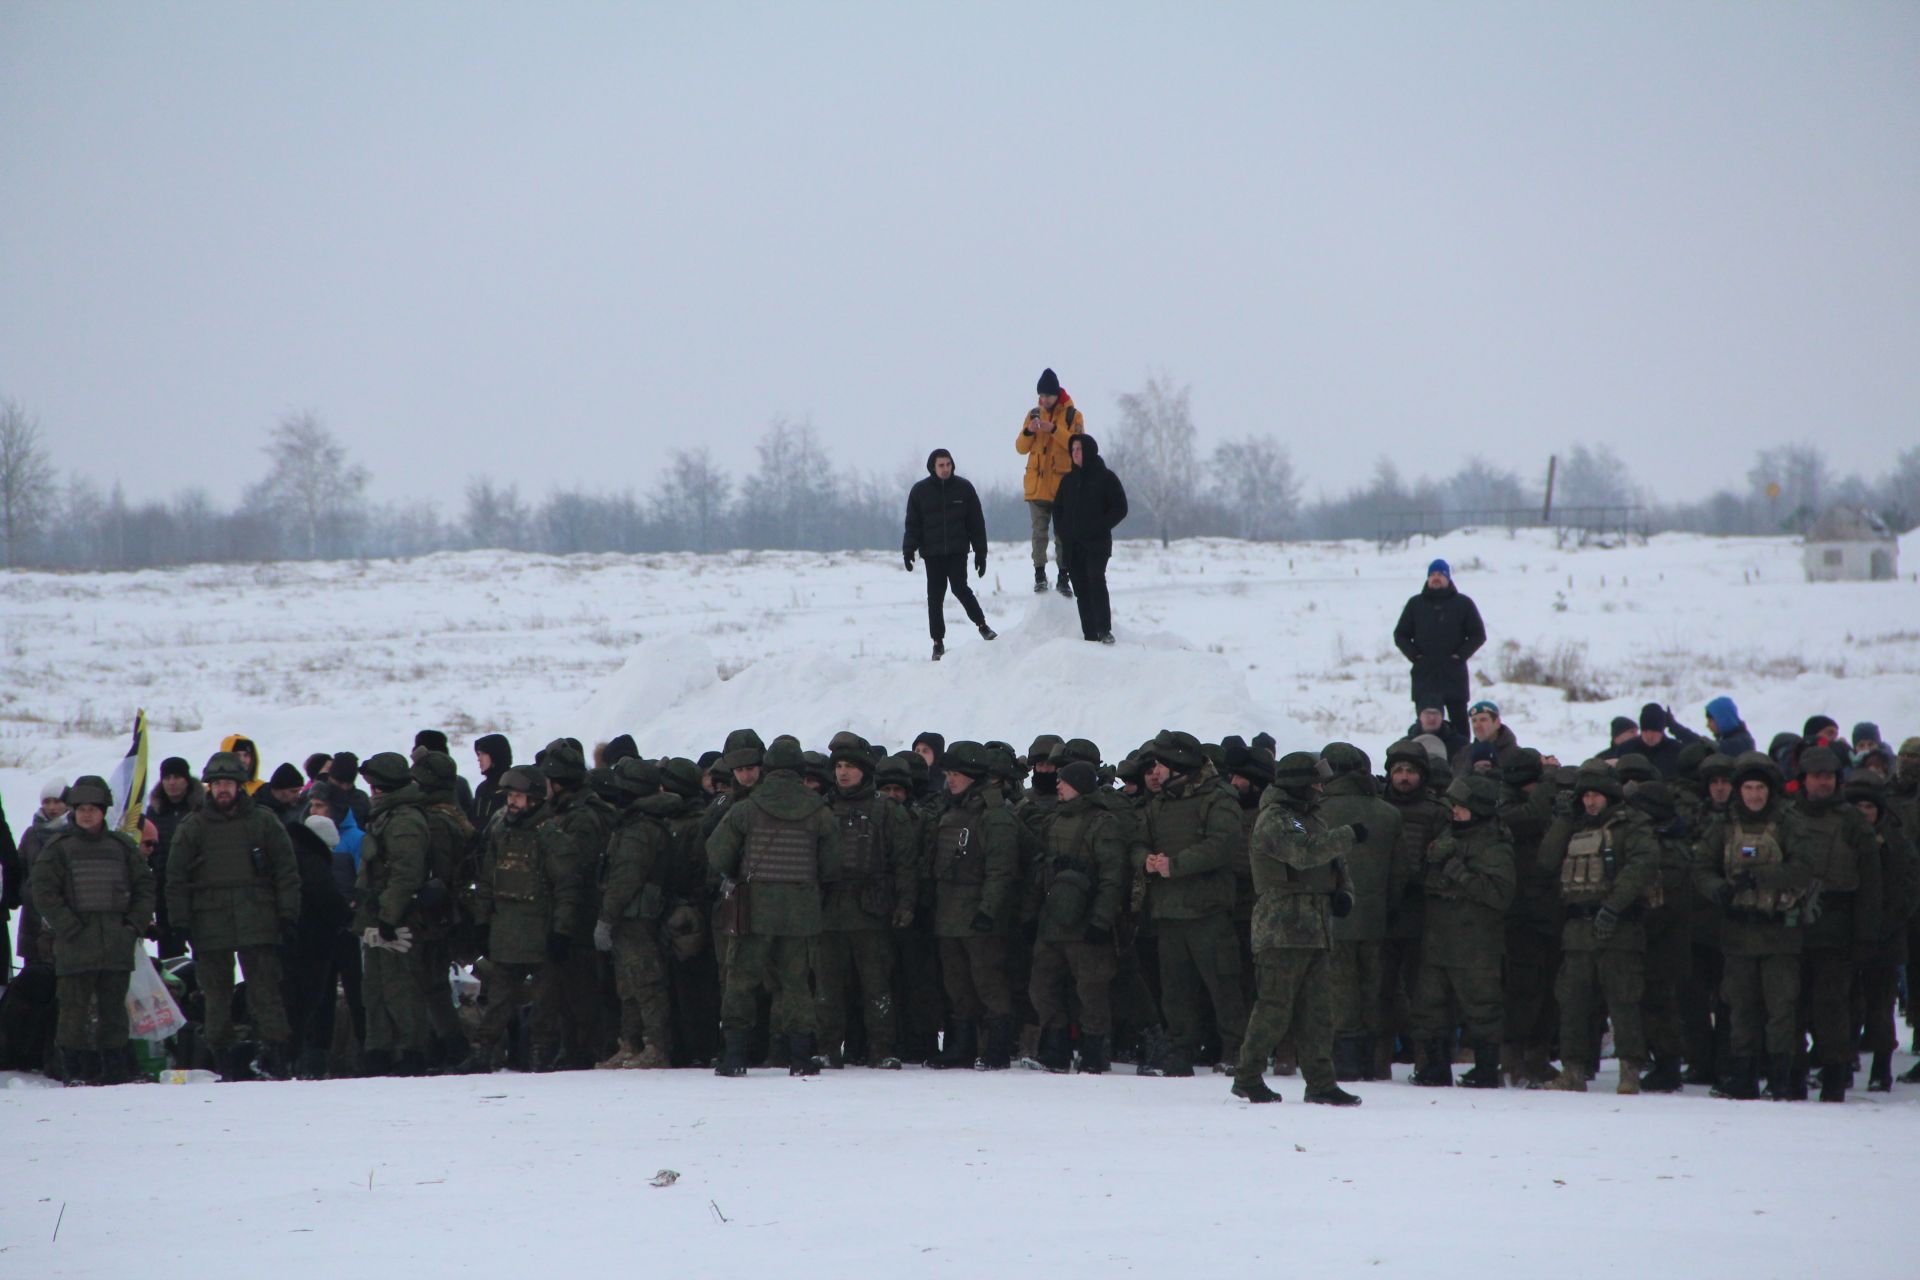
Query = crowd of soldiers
x=959 y=905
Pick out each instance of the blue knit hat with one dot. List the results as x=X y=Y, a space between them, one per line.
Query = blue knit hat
x=1440 y=566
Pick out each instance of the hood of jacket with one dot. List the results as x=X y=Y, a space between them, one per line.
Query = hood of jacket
x=935 y=456
x=1090 y=459
x=235 y=740
x=784 y=796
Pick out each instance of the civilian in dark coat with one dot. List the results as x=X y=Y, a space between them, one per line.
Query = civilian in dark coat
x=1438 y=631
x=1091 y=501
x=944 y=523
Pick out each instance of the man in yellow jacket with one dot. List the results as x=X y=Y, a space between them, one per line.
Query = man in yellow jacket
x=1044 y=439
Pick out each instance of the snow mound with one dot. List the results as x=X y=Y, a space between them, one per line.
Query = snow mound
x=1038 y=677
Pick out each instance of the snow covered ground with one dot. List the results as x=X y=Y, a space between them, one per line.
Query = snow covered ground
x=923 y=1173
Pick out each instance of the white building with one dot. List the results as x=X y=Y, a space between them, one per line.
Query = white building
x=1850 y=544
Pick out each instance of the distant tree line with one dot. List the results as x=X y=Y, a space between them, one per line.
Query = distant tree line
x=312 y=502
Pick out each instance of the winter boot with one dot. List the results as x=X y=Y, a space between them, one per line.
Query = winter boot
x=478 y=1062
x=1570 y=1080
x=1055 y=1051
x=804 y=1063
x=117 y=1065
x=652 y=1058
x=1332 y=1096
x=1437 y=1070
x=999 y=1054
x=1833 y=1084
x=80 y=1067
x=270 y=1062
x=1152 y=1060
x=1665 y=1076
x=733 y=1057
x=376 y=1062
x=1699 y=1071
x=1629 y=1082
x=1254 y=1090
x=939 y=650
x=958 y=1051
x=1096 y=1058
x=1911 y=1075
x=237 y=1064
x=779 y=1050
x=311 y=1064
x=1039 y=581
x=411 y=1063
x=1064 y=585
x=1780 y=1080
x=621 y=1059
x=1106 y=637
x=1880 y=1077
x=1486 y=1068
x=1740 y=1084
x=988 y=633
x=1177 y=1063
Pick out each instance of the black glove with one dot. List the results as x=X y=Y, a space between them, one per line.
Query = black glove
x=979 y=566
x=388 y=932
x=908 y=557
x=1723 y=896
x=1605 y=921
x=1099 y=935
x=559 y=947
x=982 y=922
x=1359 y=830
x=1342 y=905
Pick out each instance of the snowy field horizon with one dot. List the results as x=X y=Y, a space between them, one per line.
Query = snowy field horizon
x=932 y=1173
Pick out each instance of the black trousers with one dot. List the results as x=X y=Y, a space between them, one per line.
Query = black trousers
x=944 y=572
x=1087 y=567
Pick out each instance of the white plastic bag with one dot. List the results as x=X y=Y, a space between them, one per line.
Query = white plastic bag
x=152 y=1013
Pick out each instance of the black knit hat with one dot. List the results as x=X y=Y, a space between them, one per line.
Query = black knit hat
x=286 y=776
x=1081 y=776
x=175 y=767
x=432 y=740
x=1049 y=384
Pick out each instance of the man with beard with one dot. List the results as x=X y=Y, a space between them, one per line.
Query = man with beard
x=233 y=892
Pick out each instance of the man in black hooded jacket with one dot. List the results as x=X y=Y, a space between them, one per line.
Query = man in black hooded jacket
x=944 y=522
x=1090 y=502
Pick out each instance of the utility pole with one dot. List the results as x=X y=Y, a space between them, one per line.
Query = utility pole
x=1546 y=511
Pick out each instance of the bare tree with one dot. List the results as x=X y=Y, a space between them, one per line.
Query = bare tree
x=1255 y=482
x=1155 y=448
x=1789 y=486
x=792 y=501
x=26 y=482
x=691 y=500
x=1899 y=496
x=312 y=486
x=1595 y=478
x=495 y=516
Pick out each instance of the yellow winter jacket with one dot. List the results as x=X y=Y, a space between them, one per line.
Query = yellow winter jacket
x=1047 y=456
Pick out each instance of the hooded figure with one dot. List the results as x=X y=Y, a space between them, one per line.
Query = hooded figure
x=1438 y=631
x=498 y=753
x=944 y=522
x=1091 y=502
x=249 y=754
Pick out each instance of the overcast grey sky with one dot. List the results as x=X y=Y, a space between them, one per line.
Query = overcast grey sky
x=558 y=240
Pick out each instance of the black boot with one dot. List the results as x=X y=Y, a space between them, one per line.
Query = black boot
x=452 y=1050
x=376 y=1062
x=1437 y=1071
x=1780 y=1080
x=117 y=1065
x=269 y=1062
x=1699 y=1071
x=779 y=1050
x=1833 y=1084
x=803 y=1062
x=478 y=1061
x=238 y=1064
x=939 y=650
x=959 y=1049
x=1346 y=1059
x=1911 y=1075
x=1178 y=1063
x=1096 y=1058
x=79 y=1067
x=1056 y=1050
x=1332 y=1096
x=1485 y=1073
x=1665 y=1076
x=312 y=1064
x=1740 y=1083
x=1254 y=1090
x=733 y=1055
x=1039 y=582
x=1368 y=1049
x=999 y=1054
x=411 y=1063
x=1064 y=586
x=1880 y=1077
x=1153 y=1052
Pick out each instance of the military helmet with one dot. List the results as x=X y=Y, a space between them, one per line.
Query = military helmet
x=632 y=778
x=1344 y=758
x=1408 y=752
x=1075 y=749
x=784 y=754
x=969 y=759
x=1476 y=794
x=743 y=750
x=1521 y=767
x=224 y=766
x=1714 y=766
x=1131 y=769
x=525 y=780
x=1692 y=756
x=1001 y=760
x=815 y=765
x=564 y=763
x=387 y=770
x=434 y=770
x=1655 y=799
x=1180 y=752
x=1043 y=746
x=853 y=749
x=1596 y=778
x=894 y=771
x=88 y=789
x=1634 y=767
x=1758 y=766
x=681 y=776
x=1819 y=760
x=1296 y=771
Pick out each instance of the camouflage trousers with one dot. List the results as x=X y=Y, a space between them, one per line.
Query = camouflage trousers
x=78 y=995
x=1091 y=967
x=1763 y=1003
x=1292 y=1001
x=509 y=989
x=1200 y=960
x=840 y=959
x=783 y=966
x=1474 y=992
x=1588 y=979
x=433 y=965
x=261 y=967
x=1358 y=969
x=567 y=1006
x=396 y=1010
x=640 y=980
x=974 y=969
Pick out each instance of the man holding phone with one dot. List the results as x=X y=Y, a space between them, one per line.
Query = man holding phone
x=1046 y=435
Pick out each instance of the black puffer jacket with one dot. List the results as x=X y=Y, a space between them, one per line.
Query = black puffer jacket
x=943 y=516
x=1091 y=500
x=1438 y=632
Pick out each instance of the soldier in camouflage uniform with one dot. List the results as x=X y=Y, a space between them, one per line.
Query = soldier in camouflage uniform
x=974 y=845
x=1844 y=927
x=1669 y=933
x=95 y=891
x=1899 y=884
x=450 y=837
x=568 y=1030
x=1358 y=960
x=233 y=889
x=1193 y=830
x=1702 y=796
x=919 y=995
x=395 y=863
x=1301 y=886
x=772 y=851
x=1533 y=922
x=1083 y=877
x=634 y=902
x=1467 y=878
x=1754 y=863
x=870 y=895
x=1608 y=864
x=1410 y=774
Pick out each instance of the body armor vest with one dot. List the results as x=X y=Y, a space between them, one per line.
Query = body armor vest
x=1744 y=852
x=859 y=850
x=1587 y=871
x=100 y=880
x=959 y=855
x=780 y=852
x=516 y=865
x=1834 y=865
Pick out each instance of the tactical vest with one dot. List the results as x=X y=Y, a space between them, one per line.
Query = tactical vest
x=780 y=851
x=1587 y=871
x=100 y=879
x=516 y=864
x=1745 y=852
x=959 y=848
x=859 y=849
x=1834 y=865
